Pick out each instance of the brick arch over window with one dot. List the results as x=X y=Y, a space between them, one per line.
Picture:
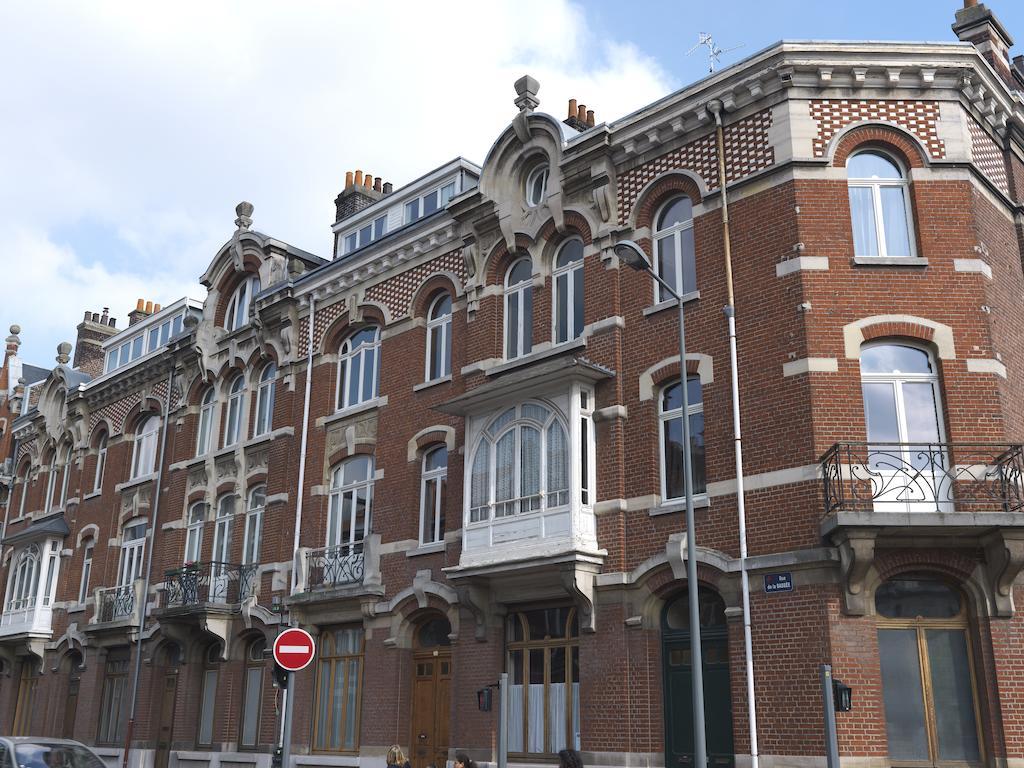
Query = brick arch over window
x=940 y=336
x=429 y=289
x=344 y=326
x=667 y=370
x=575 y=224
x=501 y=258
x=955 y=568
x=433 y=435
x=659 y=191
x=364 y=448
x=887 y=138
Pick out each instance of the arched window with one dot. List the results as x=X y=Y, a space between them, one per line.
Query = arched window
x=144 y=449
x=205 y=422
x=439 y=338
x=879 y=206
x=133 y=547
x=359 y=368
x=928 y=679
x=51 y=481
x=88 y=545
x=65 y=474
x=237 y=313
x=101 y=461
x=255 y=663
x=26 y=469
x=208 y=702
x=233 y=427
x=536 y=185
x=433 y=485
x=265 y=399
x=568 y=282
x=676 y=260
x=544 y=680
x=519 y=309
x=348 y=519
x=521 y=464
x=254 y=524
x=24 y=580
x=339 y=678
x=194 y=533
x=670 y=407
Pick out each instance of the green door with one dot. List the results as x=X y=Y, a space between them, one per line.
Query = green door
x=678 y=682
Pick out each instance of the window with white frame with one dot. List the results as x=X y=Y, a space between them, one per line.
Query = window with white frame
x=265 y=399
x=519 y=309
x=83 y=587
x=233 y=426
x=439 y=338
x=879 y=206
x=222 y=528
x=359 y=368
x=24 y=581
x=101 y=461
x=675 y=252
x=143 y=343
x=568 y=284
x=348 y=517
x=51 y=481
x=433 y=492
x=144 y=448
x=425 y=205
x=194 y=532
x=65 y=474
x=133 y=547
x=670 y=408
x=365 y=235
x=536 y=185
x=521 y=464
x=206 y=410
x=237 y=313
x=26 y=469
x=254 y=524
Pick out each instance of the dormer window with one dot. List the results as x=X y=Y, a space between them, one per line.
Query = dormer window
x=430 y=202
x=536 y=185
x=237 y=313
x=365 y=235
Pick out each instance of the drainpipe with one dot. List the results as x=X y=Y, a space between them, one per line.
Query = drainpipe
x=136 y=672
x=716 y=108
x=302 y=443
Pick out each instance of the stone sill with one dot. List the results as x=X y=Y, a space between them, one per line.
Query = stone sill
x=426 y=549
x=661 y=306
x=900 y=261
x=700 y=501
x=432 y=383
x=135 y=482
x=353 y=410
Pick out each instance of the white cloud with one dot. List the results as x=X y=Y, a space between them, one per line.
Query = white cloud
x=151 y=122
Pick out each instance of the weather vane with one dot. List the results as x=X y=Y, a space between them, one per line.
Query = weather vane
x=714 y=52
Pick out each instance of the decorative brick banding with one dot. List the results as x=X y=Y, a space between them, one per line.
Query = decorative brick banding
x=918 y=117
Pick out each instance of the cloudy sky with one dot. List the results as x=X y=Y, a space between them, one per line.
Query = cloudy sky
x=130 y=130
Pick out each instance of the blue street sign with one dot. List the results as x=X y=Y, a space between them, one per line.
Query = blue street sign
x=778 y=582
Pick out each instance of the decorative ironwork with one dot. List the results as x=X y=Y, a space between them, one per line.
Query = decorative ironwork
x=334 y=566
x=116 y=603
x=209 y=583
x=923 y=477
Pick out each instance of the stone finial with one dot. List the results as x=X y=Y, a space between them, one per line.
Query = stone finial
x=526 y=94
x=244 y=212
x=15 y=329
x=14 y=341
x=63 y=352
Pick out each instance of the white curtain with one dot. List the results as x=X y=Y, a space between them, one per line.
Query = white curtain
x=504 y=465
x=558 y=460
x=556 y=716
x=535 y=742
x=862 y=212
x=894 y=221
x=515 y=718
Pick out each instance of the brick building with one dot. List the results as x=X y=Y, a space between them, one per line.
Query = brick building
x=453 y=449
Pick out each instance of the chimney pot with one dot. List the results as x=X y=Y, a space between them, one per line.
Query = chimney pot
x=368 y=180
x=388 y=187
x=581 y=113
x=970 y=3
x=377 y=184
x=140 y=305
x=112 y=322
x=572 y=109
x=88 y=315
x=348 y=179
x=359 y=178
x=590 y=118
x=156 y=308
x=149 y=307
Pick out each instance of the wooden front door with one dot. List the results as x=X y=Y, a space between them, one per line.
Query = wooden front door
x=71 y=703
x=430 y=713
x=165 y=724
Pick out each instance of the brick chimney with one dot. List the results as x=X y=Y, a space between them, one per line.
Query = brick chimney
x=977 y=24
x=143 y=309
x=360 y=192
x=92 y=332
x=580 y=118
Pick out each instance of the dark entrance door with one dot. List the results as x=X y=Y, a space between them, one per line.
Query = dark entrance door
x=168 y=693
x=678 y=681
x=432 y=674
x=74 y=663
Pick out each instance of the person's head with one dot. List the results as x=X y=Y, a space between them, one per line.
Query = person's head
x=462 y=761
x=396 y=756
x=570 y=758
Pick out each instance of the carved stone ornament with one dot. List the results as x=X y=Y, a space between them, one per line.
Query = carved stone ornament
x=1004 y=558
x=857 y=555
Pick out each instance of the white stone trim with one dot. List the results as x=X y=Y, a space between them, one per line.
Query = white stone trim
x=853 y=334
x=789 y=266
x=986 y=365
x=810 y=365
x=449 y=440
x=764 y=480
x=705 y=372
x=972 y=265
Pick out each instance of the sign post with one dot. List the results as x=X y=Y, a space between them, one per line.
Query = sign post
x=831 y=737
x=294 y=650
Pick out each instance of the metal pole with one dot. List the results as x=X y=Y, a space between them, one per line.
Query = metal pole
x=831 y=738
x=286 y=725
x=503 y=721
x=302 y=446
x=741 y=509
x=137 y=671
x=700 y=754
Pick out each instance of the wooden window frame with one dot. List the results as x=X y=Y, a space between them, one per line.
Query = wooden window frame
x=338 y=661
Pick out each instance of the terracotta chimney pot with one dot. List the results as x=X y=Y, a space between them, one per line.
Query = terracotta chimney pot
x=348 y=179
x=572 y=109
x=590 y=118
x=581 y=113
x=368 y=180
x=359 y=178
x=140 y=305
x=377 y=183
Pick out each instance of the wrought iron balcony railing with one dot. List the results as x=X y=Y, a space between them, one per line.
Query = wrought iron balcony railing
x=206 y=583
x=115 y=603
x=335 y=566
x=923 y=477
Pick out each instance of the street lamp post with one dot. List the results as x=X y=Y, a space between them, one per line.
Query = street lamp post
x=634 y=256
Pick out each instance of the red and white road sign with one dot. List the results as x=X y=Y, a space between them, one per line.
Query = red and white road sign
x=294 y=649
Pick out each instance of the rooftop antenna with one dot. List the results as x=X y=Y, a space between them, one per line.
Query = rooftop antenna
x=714 y=52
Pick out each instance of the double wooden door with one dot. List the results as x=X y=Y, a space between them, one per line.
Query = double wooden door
x=430 y=708
x=165 y=723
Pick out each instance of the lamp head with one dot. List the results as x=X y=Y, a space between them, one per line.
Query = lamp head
x=632 y=255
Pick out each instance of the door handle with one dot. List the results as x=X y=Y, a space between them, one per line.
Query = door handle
x=422 y=736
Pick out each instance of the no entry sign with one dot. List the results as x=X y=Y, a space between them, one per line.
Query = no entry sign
x=294 y=649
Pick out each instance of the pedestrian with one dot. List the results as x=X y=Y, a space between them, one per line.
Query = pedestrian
x=462 y=761
x=396 y=757
x=570 y=758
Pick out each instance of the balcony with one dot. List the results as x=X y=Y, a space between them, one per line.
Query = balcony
x=203 y=584
x=26 y=617
x=340 y=573
x=117 y=608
